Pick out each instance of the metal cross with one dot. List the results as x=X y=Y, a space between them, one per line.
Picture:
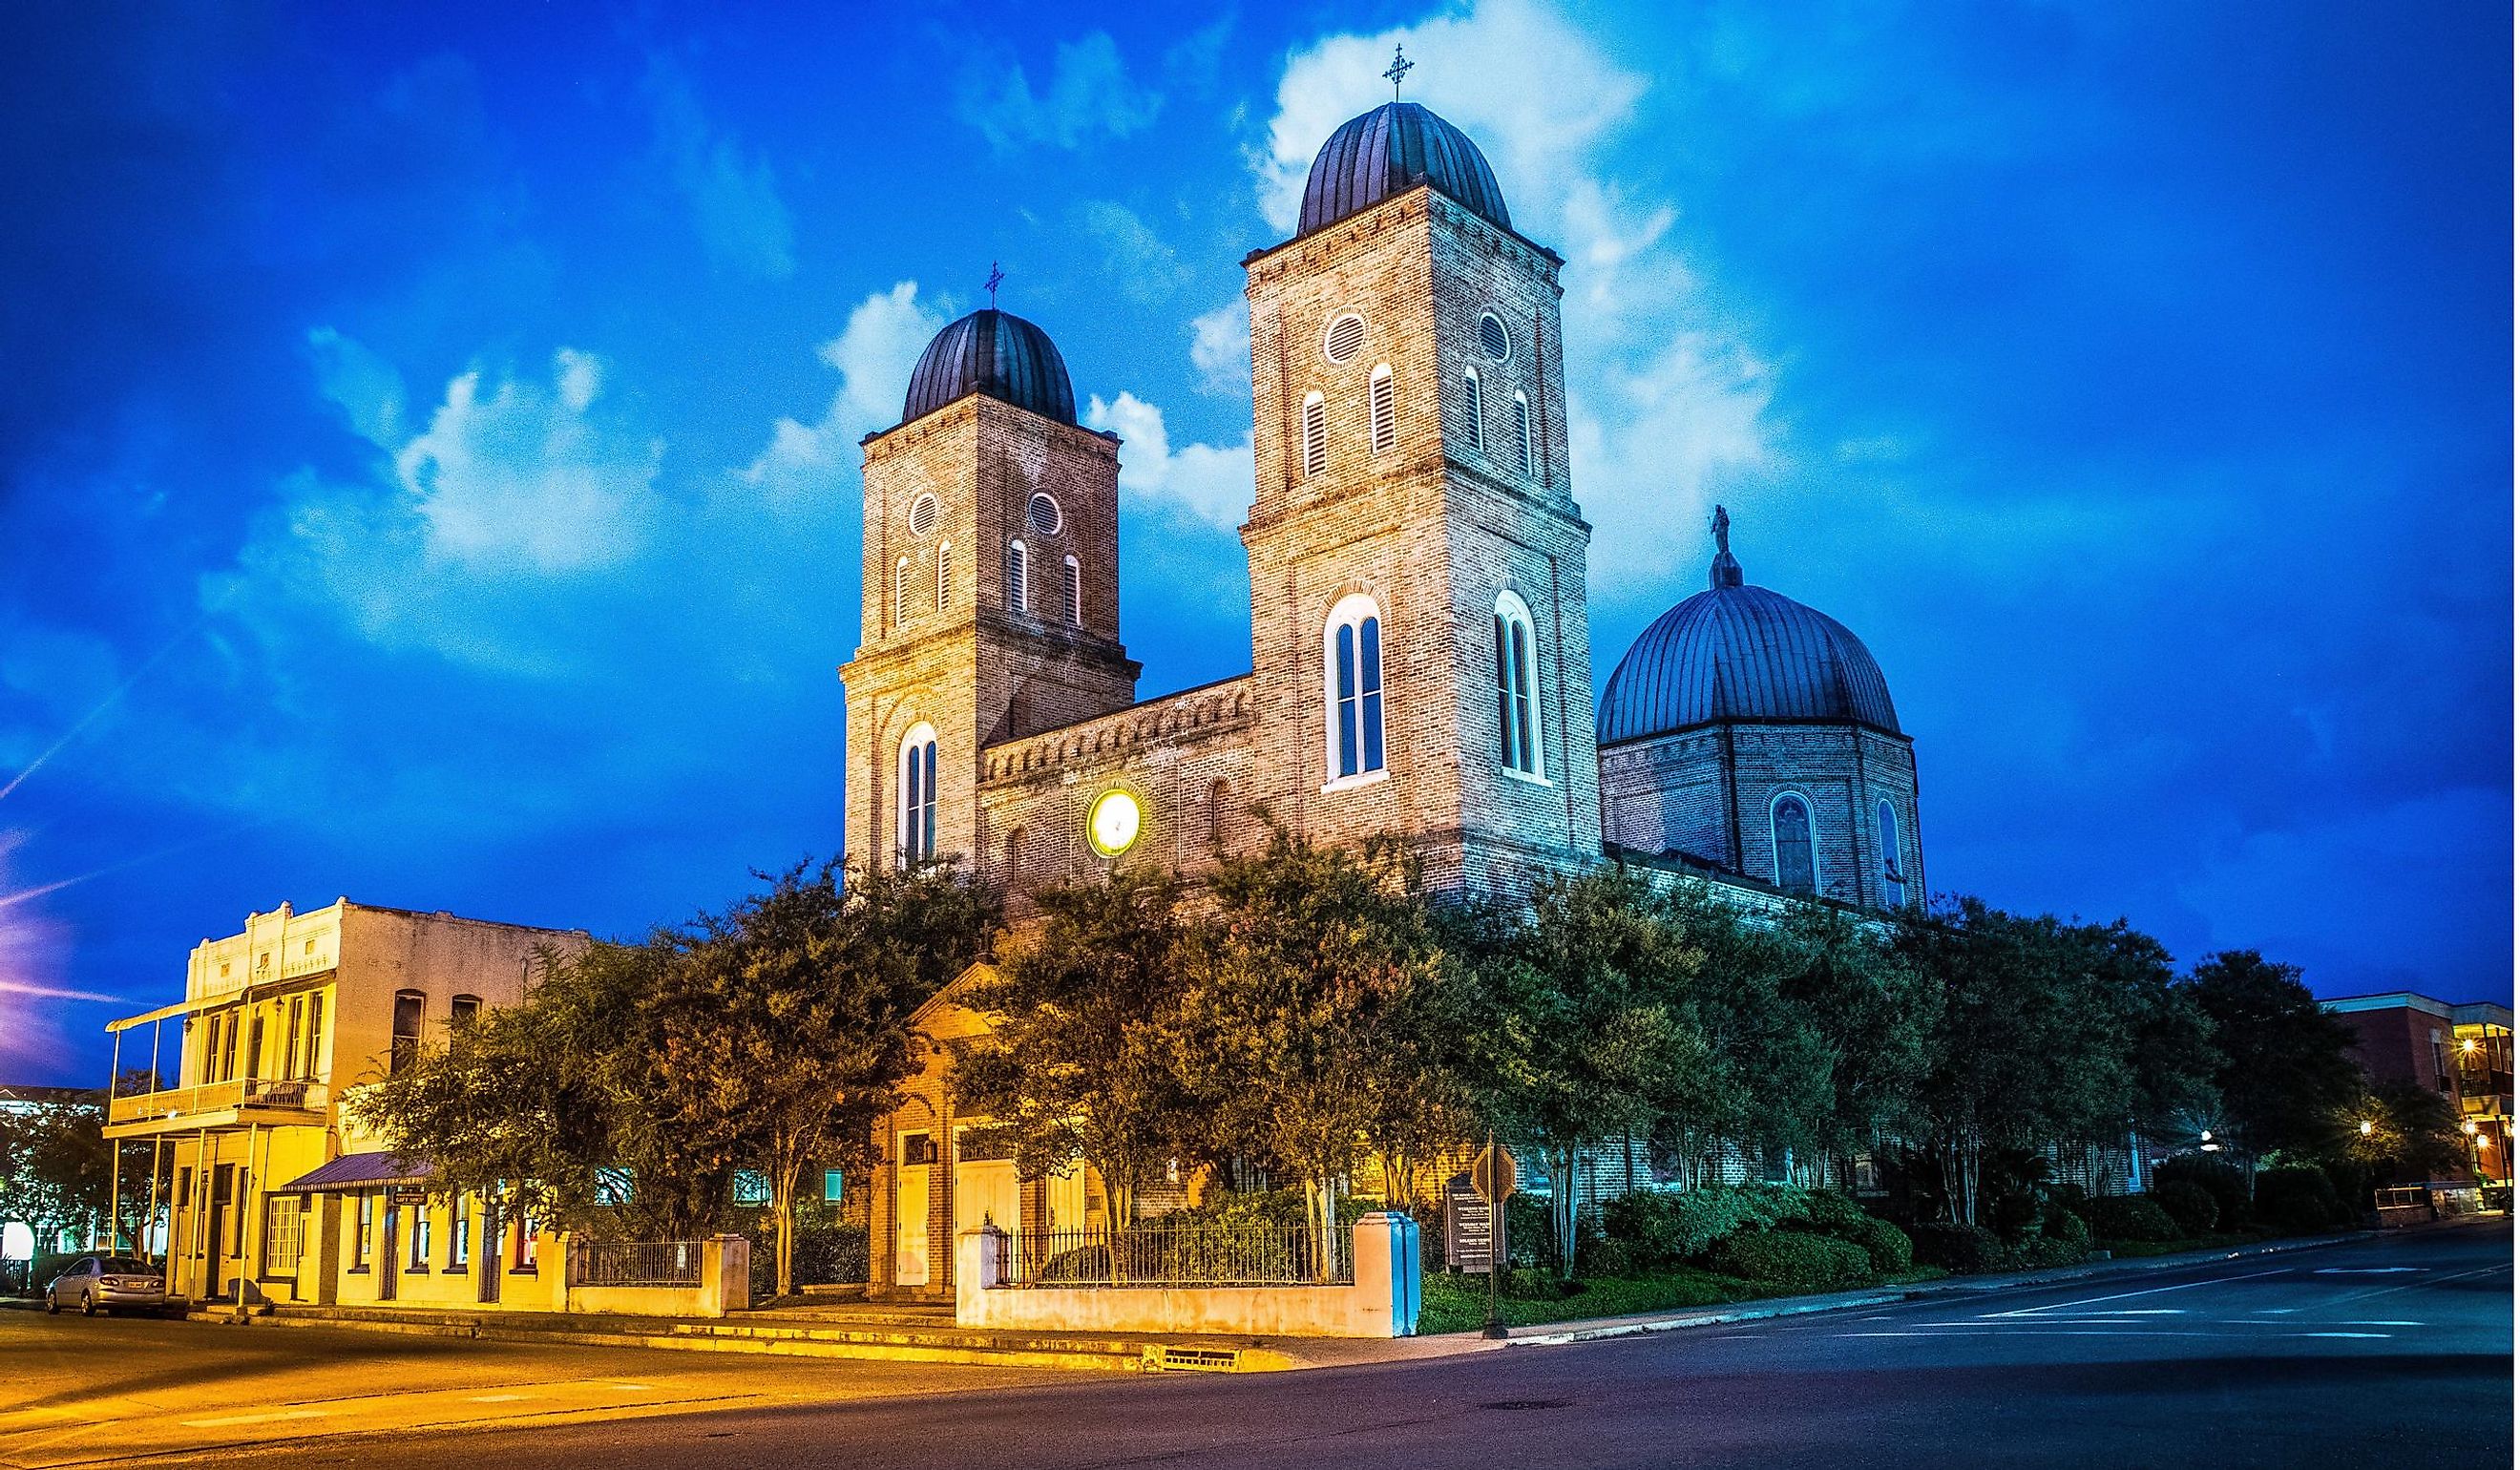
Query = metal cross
x=995 y=276
x=1400 y=67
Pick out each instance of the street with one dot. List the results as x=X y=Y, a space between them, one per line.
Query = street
x=2358 y=1354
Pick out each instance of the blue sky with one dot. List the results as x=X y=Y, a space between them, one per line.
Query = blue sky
x=427 y=462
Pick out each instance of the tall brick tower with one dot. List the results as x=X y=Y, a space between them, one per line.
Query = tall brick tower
x=1419 y=619
x=992 y=602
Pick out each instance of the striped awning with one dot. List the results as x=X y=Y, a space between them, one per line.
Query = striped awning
x=359 y=1171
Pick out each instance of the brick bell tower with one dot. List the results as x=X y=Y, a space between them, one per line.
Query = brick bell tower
x=992 y=592
x=1417 y=561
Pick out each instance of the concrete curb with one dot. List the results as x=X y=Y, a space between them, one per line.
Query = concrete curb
x=1542 y=1335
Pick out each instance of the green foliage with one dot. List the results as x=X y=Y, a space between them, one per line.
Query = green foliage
x=2039 y=1252
x=1832 y=1211
x=2415 y=1137
x=1957 y=1247
x=2298 y=1199
x=2228 y=1186
x=2131 y=1216
x=2188 y=1207
x=1661 y=1227
x=1797 y=1260
x=2064 y=1224
x=2287 y=1072
x=1887 y=1245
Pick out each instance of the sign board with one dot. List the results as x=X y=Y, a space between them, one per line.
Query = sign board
x=1492 y=1174
x=1469 y=1227
x=407 y=1194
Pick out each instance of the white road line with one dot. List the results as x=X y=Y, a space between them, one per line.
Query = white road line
x=273 y=1417
x=498 y=1397
x=2365 y=1270
x=2119 y=1296
x=2384 y=1324
x=2344 y=1334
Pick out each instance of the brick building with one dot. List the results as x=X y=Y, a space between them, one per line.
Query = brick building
x=1421 y=660
x=2463 y=1051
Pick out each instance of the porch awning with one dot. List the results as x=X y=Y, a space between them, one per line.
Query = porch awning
x=359 y=1171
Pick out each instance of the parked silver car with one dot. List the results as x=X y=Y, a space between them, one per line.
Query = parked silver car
x=101 y=1283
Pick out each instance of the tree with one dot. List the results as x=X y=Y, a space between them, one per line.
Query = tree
x=1076 y=1064
x=2286 y=1070
x=2414 y=1135
x=785 y=1028
x=1594 y=1033
x=1874 y=1014
x=1299 y=993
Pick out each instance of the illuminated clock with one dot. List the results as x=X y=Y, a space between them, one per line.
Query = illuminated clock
x=1111 y=824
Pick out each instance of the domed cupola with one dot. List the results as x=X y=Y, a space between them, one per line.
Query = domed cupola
x=1390 y=151
x=997 y=353
x=1737 y=652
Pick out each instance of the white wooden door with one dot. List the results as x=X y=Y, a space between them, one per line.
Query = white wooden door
x=986 y=1191
x=909 y=1226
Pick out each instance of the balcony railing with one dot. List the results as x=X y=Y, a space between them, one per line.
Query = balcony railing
x=297 y=1093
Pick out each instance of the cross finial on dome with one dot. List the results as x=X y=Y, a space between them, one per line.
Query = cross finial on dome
x=995 y=276
x=1401 y=66
x=1725 y=572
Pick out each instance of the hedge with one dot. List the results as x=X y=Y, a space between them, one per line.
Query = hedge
x=1883 y=1242
x=1955 y=1247
x=1796 y=1260
x=2131 y=1216
x=2298 y=1198
x=2189 y=1206
x=2224 y=1181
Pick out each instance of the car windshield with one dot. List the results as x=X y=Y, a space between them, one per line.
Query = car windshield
x=123 y=1265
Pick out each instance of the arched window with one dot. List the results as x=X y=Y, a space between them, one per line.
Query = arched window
x=1478 y=415
x=1352 y=677
x=1522 y=432
x=1072 y=593
x=1220 y=819
x=916 y=816
x=1789 y=828
x=944 y=572
x=1013 y=863
x=1019 y=590
x=1379 y=409
x=1517 y=685
x=1894 y=881
x=406 y=1031
x=1317 y=435
x=901 y=592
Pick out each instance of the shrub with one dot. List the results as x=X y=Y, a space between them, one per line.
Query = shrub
x=1833 y=1214
x=2353 y=1183
x=1885 y=1244
x=1663 y=1228
x=2012 y=1214
x=2299 y=1199
x=1797 y=1260
x=2188 y=1205
x=2072 y=1198
x=2042 y=1251
x=2225 y=1182
x=1955 y=1247
x=2131 y=1216
x=2064 y=1224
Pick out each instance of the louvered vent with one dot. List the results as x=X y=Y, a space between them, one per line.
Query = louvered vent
x=1492 y=338
x=1379 y=399
x=923 y=515
x=1317 y=436
x=1345 y=335
x=1041 y=512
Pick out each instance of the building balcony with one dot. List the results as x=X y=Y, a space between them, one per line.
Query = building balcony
x=219 y=1105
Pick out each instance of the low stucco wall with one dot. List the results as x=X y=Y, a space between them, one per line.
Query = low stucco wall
x=1383 y=1302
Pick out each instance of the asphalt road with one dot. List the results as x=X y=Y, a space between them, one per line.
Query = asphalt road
x=2372 y=1354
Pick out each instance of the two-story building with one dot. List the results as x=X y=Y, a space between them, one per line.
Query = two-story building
x=2461 y=1050
x=270 y=1191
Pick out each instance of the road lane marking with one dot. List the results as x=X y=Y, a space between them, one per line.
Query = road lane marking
x=273 y=1417
x=498 y=1397
x=2365 y=1270
x=2119 y=1296
x=2344 y=1334
x=2384 y=1324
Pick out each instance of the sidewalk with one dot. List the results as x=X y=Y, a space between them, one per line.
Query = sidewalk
x=904 y=1333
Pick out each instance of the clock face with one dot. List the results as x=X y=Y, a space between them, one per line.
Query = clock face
x=1113 y=823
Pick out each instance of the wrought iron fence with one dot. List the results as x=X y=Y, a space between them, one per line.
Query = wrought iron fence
x=634 y=1262
x=1158 y=1254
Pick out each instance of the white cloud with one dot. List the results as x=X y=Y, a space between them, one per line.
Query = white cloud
x=1211 y=483
x=1667 y=401
x=1090 y=92
x=876 y=349
x=734 y=199
x=1220 y=348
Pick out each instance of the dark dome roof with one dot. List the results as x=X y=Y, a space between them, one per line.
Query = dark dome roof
x=1392 y=149
x=1737 y=652
x=997 y=353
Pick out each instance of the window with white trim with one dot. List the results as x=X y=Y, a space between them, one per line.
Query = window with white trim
x=1043 y=515
x=1478 y=416
x=1379 y=408
x=1019 y=590
x=1352 y=685
x=1789 y=832
x=1493 y=339
x=1342 y=339
x=1317 y=435
x=1071 y=592
x=1522 y=433
x=915 y=816
x=922 y=514
x=1894 y=882
x=1517 y=685
x=944 y=572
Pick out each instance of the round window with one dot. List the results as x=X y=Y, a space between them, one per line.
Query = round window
x=1041 y=514
x=1492 y=338
x=1345 y=335
x=923 y=515
x=1111 y=824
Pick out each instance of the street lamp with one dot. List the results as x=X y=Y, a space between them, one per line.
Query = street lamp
x=2367 y=1128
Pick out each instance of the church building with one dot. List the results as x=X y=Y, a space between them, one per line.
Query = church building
x=1421 y=659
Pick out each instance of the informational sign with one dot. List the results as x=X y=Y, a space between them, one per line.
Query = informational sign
x=1469 y=1227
